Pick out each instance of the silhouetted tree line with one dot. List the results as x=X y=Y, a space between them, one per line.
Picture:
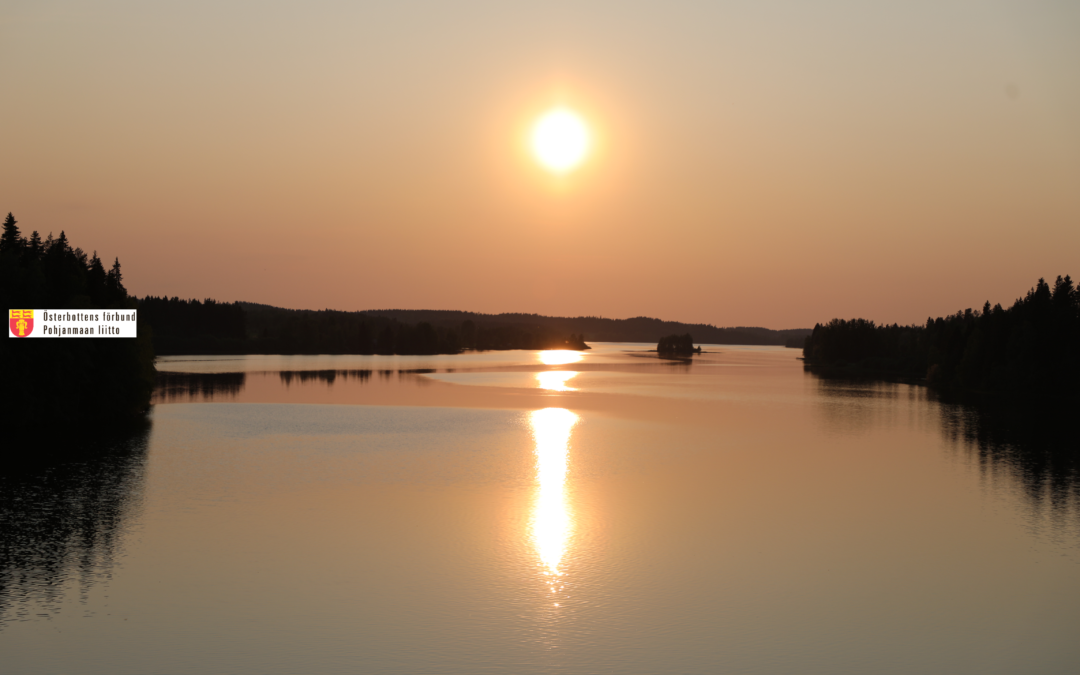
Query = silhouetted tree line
x=673 y=345
x=516 y=336
x=68 y=381
x=1033 y=346
x=210 y=327
x=637 y=329
x=279 y=331
x=191 y=326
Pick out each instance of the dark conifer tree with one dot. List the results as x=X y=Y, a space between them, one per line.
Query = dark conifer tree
x=1063 y=291
x=114 y=281
x=11 y=241
x=96 y=280
x=35 y=248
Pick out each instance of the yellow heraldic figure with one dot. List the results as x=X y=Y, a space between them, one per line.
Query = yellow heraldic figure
x=21 y=322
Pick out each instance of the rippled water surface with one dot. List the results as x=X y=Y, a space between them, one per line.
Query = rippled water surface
x=524 y=512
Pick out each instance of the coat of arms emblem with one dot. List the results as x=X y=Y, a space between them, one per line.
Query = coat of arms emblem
x=21 y=322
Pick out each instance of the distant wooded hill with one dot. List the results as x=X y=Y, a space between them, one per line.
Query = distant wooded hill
x=207 y=327
x=637 y=329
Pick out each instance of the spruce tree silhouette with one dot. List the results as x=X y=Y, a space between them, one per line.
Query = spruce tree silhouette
x=114 y=281
x=10 y=241
x=34 y=247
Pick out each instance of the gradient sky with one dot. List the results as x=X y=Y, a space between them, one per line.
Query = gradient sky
x=772 y=163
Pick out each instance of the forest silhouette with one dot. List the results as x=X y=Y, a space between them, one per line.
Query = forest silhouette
x=210 y=327
x=89 y=380
x=1031 y=347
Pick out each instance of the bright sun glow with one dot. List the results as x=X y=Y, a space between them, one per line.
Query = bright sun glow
x=559 y=357
x=555 y=380
x=560 y=140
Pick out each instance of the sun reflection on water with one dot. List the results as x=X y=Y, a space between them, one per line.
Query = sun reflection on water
x=559 y=357
x=552 y=521
x=555 y=380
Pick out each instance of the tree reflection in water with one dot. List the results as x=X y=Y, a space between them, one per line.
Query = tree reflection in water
x=62 y=519
x=327 y=377
x=174 y=387
x=1035 y=445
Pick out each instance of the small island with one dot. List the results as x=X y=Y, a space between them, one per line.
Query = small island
x=677 y=345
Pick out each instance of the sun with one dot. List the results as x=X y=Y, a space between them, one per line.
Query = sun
x=560 y=140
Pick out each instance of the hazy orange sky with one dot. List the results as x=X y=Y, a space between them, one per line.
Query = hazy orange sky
x=771 y=163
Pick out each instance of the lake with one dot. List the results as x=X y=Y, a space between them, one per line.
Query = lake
x=544 y=512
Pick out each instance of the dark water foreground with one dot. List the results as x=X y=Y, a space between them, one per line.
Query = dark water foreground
x=64 y=510
x=521 y=515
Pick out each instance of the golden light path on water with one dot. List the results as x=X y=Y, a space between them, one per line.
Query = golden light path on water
x=555 y=380
x=552 y=521
x=559 y=357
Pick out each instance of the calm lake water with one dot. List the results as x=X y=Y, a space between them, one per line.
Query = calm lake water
x=526 y=512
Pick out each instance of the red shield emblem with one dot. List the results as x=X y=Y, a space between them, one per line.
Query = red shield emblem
x=21 y=322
